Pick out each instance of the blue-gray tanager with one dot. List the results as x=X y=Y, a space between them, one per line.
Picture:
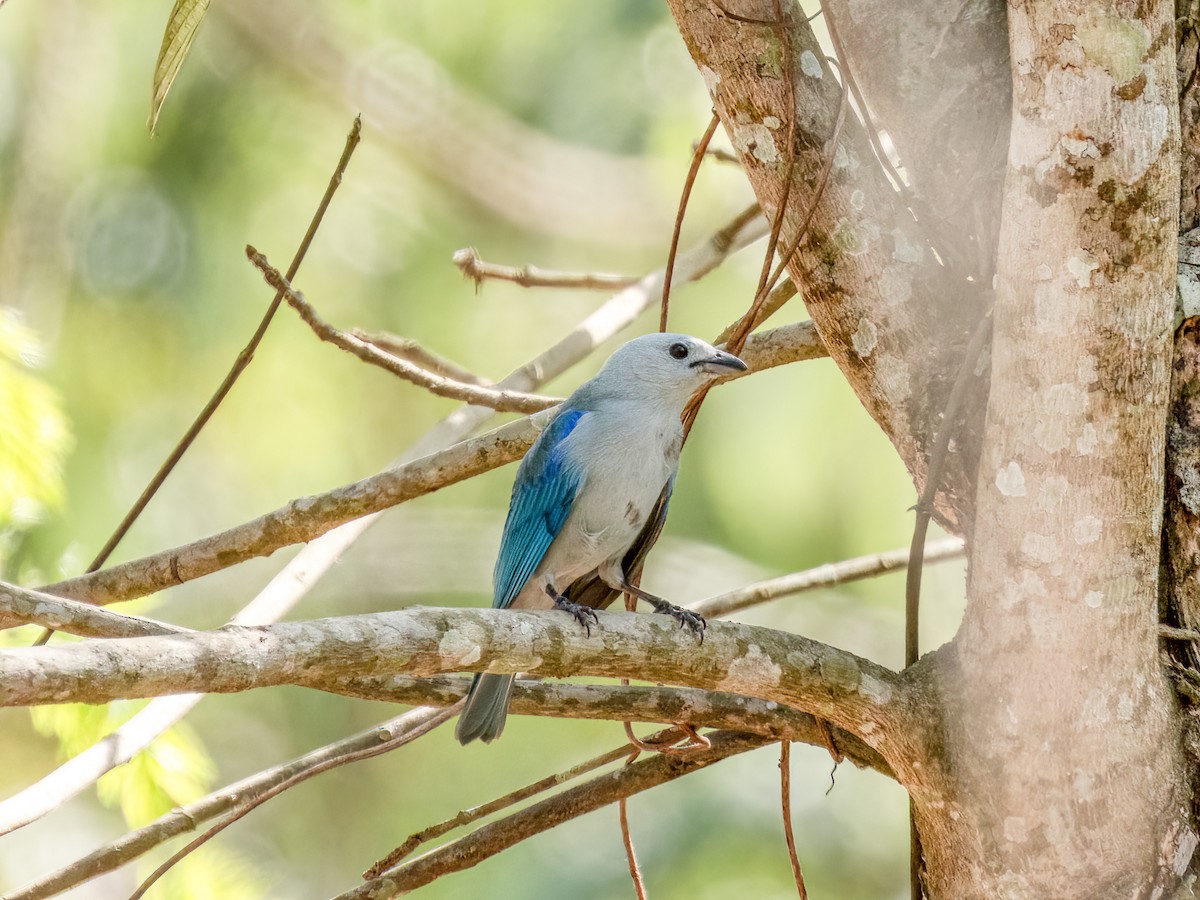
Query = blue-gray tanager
x=591 y=495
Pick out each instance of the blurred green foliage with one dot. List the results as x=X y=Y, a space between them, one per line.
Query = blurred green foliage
x=549 y=133
x=33 y=438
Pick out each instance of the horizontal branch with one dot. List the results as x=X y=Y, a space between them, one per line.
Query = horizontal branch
x=849 y=691
x=479 y=271
x=475 y=394
x=658 y=704
x=496 y=837
x=828 y=575
x=26 y=607
x=309 y=517
x=619 y=703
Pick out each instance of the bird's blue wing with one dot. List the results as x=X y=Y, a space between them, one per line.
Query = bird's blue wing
x=543 y=493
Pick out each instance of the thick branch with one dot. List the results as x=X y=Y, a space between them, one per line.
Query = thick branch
x=868 y=276
x=622 y=703
x=847 y=690
x=309 y=517
x=25 y=607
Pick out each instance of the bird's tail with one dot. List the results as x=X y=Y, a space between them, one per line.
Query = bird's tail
x=487 y=708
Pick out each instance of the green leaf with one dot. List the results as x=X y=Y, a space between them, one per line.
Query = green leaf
x=177 y=40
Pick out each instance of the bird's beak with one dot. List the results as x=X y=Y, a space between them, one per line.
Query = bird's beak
x=721 y=363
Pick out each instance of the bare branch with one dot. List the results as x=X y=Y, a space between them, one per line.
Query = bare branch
x=498 y=836
x=86 y=768
x=423 y=357
x=422 y=641
x=308 y=517
x=469 y=263
x=243 y=358
x=415 y=725
x=555 y=699
x=779 y=295
x=501 y=401
x=28 y=607
x=305 y=518
x=672 y=252
x=824 y=576
x=785 y=790
x=720 y=154
x=636 y=703
x=187 y=818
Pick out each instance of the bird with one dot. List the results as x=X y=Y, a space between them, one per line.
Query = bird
x=591 y=495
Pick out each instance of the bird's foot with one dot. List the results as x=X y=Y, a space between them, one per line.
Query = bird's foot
x=685 y=617
x=584 y=615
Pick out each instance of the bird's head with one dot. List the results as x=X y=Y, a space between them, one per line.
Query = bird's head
x=671 y=366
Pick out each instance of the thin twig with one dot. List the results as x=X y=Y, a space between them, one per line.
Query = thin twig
x=469 y=263
x=477 y=395
x=1178 y=634
x=872 y=133
x=635 y=871
x=785 y=789
x=763 y=287
x=475 y=813
x=423 y=357
x=498 y=836
x=306 y=518
x=688 y=182
x=779 y=295
x=423 y=721
x=828 y=575
x=937 y=464
x=239 y=364
x=757 y=312
x=720 y=154
x=912 y=587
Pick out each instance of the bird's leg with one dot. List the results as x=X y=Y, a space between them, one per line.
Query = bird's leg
x=584 y=615
x=616 y=580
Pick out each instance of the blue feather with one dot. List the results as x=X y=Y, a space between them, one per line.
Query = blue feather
x=543 y=493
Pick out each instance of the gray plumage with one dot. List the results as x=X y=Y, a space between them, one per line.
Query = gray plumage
x=595 y=481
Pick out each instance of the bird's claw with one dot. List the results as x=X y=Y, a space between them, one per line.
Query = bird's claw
x=584 y=615
x=692 y=620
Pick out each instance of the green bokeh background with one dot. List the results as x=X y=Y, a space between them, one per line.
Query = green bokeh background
x=542 y=132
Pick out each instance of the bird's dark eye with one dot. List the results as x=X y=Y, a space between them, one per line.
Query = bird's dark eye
x=678 y=351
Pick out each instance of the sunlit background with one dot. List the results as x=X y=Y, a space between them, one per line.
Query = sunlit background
x=540 y=132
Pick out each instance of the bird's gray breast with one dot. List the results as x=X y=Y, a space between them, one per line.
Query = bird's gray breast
x=625 y=481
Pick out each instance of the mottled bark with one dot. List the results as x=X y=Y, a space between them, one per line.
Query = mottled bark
x=894 y=319
x=1181 y=538
x=845 y=689
x=1061 y=730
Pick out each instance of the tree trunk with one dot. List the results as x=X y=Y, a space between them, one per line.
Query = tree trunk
x=1054 y=765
